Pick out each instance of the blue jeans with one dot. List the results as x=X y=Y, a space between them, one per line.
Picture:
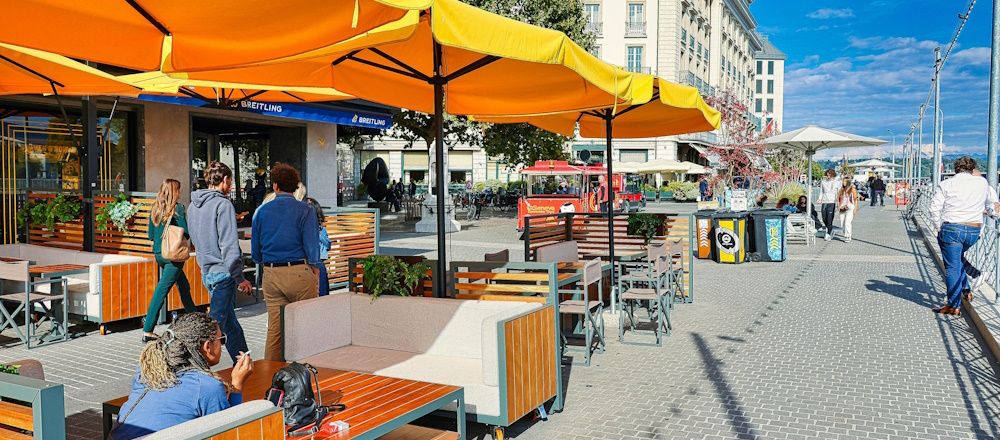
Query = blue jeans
x=222 y=288
x=954 y=240
x=324 y=280
x=879 y=196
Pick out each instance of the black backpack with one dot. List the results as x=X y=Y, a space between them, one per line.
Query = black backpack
x=302 y=406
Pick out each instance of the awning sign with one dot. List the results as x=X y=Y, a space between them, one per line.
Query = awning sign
x=288 y=110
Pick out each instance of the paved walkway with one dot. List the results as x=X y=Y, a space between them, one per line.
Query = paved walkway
x=836 y=342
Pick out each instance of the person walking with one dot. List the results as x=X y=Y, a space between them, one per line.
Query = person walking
x=212 y=226
x=703 y=188
x=285 y=242
x=957 y=209
x=878 y=191
x=847 y=204
x=324 y=246
x=413 y=188
x=602 y=195
x=166 y=211
x=828 y=200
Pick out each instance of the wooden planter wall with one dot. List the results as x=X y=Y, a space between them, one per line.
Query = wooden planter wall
x=353 y=234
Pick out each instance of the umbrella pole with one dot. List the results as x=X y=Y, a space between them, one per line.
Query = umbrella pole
x=442 y=263
x=608 y=121
x=809 y=204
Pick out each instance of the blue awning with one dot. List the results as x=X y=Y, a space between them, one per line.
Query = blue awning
x=288 y=110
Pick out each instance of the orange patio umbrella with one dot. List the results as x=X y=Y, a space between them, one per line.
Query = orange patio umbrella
x=228 y=93
x=206 y=34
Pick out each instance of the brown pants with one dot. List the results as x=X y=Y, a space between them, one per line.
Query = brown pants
x=283 y=286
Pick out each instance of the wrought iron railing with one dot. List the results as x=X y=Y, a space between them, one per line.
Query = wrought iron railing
x=982 y=255
x=594 y=27
x=635 y=29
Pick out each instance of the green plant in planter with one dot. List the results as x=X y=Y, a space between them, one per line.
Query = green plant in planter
x=60 y=208
x=361 y=189
x=644 y=225
x=385 y=274
x=118 y=212
x=9 y=369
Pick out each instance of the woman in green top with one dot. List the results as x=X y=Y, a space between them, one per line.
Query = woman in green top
x=166 y=211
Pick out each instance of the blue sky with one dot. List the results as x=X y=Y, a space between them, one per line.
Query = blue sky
x=866 y=66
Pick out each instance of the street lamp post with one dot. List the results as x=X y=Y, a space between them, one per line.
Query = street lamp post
x=893 y=153
x=936 y=172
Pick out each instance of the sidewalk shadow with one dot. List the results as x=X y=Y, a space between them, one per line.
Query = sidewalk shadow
x=918 y=292
x=734 y=408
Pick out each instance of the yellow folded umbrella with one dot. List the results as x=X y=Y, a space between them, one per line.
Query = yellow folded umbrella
x=207 y=34
x=26 y=71
x=488 y=65
x=223 y=93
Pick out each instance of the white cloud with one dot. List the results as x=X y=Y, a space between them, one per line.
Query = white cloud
x=826 y=13
x=973 y=56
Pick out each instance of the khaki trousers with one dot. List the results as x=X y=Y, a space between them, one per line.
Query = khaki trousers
x=283 y=286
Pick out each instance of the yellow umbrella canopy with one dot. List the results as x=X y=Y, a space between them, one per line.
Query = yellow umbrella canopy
x=206 y=34
x=29 y=71
x=488 y=65
x=659 y=108
x=160 y=83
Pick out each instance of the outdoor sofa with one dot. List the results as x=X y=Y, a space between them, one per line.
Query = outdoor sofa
x=478 y=345
x=95 y=295
x=255 y=420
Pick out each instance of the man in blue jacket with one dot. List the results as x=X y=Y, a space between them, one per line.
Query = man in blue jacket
x=286 y=244
x=212 y=226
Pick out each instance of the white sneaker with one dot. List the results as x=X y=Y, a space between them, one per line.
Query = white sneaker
x=976 y=284
x=847 y=240
x=827 y=237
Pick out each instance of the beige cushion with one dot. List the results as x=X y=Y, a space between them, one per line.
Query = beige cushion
x=466 y=373
x=565 y=252
x=399 y=323
x=361 y=359
x=317 y=325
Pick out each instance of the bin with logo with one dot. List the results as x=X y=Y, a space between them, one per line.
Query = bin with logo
x=730 y=230
x=768 y=235
x=703 y=232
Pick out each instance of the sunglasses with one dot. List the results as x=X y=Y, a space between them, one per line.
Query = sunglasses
x=221 y=339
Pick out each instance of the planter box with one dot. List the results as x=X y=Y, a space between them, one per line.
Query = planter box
x=650 y=195
x=669 y=195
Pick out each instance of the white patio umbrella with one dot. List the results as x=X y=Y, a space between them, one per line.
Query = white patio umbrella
x=873 y=163
x=811 y=139
x=662 y=166
x=694 y=168
x=626 y=167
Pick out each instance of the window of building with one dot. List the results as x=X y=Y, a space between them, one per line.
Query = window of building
x=723 y=62
x=770 y=105
x=596 y=51
x=770 y=67
x=593 y=12
x=635 y=14
x=684 y=36
x=770 y=86
x=758 y=105
x=634 y=58
x=692 y=41
x=760 y=67
x=699 y=48
x=760 y=86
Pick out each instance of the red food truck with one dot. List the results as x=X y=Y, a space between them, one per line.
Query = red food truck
x=556 y=186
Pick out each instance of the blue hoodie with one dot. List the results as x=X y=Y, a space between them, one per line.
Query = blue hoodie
x=211 y=223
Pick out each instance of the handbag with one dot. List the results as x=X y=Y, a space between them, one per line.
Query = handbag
x=304 y=410
x=174 y=246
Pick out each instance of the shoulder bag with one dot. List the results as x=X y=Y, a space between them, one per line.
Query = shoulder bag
x=174 y=246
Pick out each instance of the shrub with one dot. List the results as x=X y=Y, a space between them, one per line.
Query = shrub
x=649 y=188
x=644 y=225
x=387 y=275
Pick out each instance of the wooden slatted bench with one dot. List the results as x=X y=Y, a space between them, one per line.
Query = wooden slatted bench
x=31 y=408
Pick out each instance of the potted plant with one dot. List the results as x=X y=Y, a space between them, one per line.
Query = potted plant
x=60 y=208
x=649 y=191
x=118 y=212
x=9 y=369
x=385 y=274
x=645 y=225
x=666 y=193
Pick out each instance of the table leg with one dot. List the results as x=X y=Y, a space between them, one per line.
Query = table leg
x=460 y=415
x=106 y=411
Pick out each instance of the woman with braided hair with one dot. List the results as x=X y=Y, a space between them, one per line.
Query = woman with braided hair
x=175 y=382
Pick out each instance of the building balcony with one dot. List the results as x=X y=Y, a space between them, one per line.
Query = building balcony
x=635 y=29
x=706 y=137
x=640 y=69
x=595 y=28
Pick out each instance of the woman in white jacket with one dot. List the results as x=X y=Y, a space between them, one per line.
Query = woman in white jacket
x=828 y=197
x=847 y=204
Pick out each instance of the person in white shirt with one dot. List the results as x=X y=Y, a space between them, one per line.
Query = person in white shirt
x=974 y=275
x=828 y=198
x=957 y=209
x=847 y=204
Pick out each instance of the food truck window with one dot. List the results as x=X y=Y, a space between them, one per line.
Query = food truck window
x=560 y=184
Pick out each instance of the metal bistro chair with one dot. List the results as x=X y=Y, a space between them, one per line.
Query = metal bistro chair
x=675 y=254
x=648 y=282
x=591 y=313
x=501 y=256
x=27 y=302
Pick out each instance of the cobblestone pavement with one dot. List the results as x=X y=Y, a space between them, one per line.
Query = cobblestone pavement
x=836 y=342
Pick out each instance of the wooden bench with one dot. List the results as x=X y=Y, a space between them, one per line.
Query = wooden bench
x=31 y=408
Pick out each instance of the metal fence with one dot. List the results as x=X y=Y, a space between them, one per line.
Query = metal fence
x=982 y=255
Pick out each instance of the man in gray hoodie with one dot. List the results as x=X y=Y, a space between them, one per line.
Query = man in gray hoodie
x=212 y=226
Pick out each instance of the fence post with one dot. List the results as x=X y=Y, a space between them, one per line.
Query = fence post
x=527 y=238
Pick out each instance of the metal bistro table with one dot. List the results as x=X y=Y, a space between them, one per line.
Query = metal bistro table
x=57 y=272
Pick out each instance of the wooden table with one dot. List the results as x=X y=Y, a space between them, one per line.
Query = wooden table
x=376 y=405
x=16 y=260
x=57 y=270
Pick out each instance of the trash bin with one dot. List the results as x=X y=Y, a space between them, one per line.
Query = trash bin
x=706 y=240
x=730 y=230
x=768 y=236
